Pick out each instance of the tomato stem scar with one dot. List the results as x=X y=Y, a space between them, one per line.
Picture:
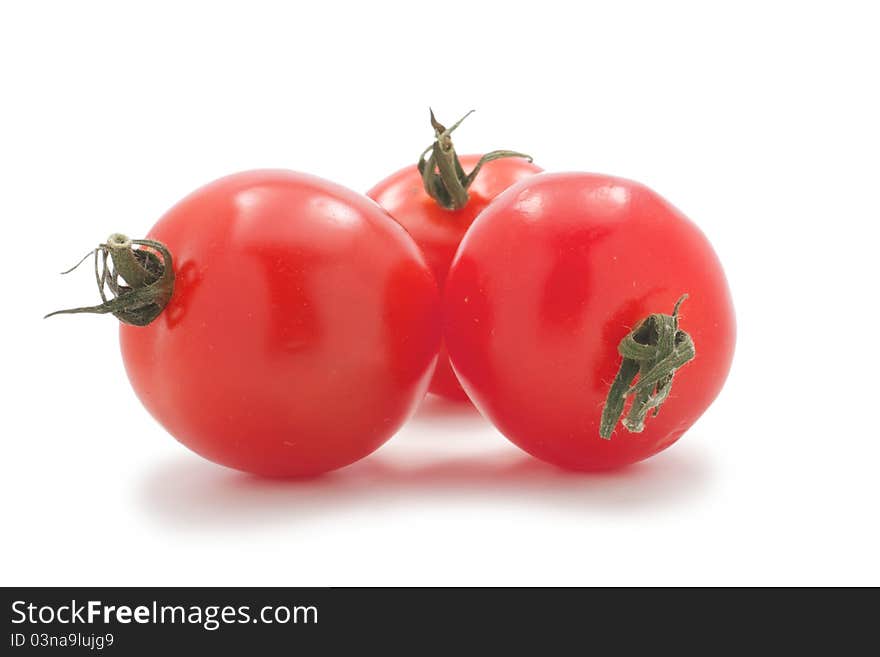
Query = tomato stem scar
x=653 y=350
x=146 y=275
x=443 y=177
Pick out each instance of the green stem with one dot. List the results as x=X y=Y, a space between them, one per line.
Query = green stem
x=653 y=351
x=126 y=263
x=443 y=177
x=140 y=282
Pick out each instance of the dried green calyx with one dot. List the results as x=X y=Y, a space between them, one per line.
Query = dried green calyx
x=442 y=174
x=140 y=281
x=654 y=350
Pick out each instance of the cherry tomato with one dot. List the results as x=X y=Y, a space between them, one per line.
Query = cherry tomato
x=439 y=231
x=548 y=283
x=302 y=330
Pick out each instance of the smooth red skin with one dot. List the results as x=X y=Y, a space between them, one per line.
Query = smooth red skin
x=439 y=231
x=549 y=279
x=302 y=332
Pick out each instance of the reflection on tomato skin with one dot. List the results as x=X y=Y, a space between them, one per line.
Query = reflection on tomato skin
x=186 y=278
x=474 y=318
x=286 y=354
x=412 y=326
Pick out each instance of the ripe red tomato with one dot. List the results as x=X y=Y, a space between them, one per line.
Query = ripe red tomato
x=439 y=231
x=549 y=280
x=302 y=330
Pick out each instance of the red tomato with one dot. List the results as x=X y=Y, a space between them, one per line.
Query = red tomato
x=302 y=330
x=546 y=284
x=439 y=231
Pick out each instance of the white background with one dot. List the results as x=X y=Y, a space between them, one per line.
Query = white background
x=759 y=120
